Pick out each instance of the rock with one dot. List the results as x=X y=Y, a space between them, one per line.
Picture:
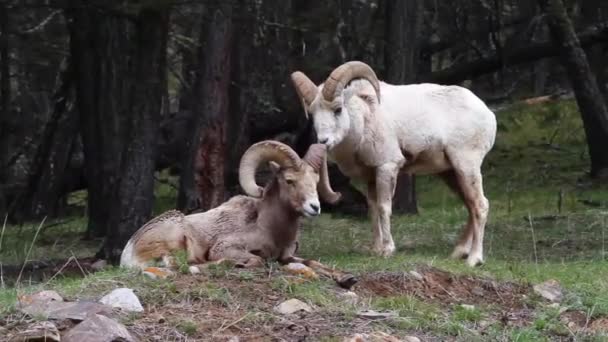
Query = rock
x=98 y=328
x=300 y=269
x=41 y=331
x=380 y=337
x=76 y=311
x=550 y=290
x=123 y=298
x=468 y=307
x=99 y=265
x=291 y=306
x=42 y=296
x=416 y=275
x=349 y=297
x=372 y=314
x=157 y=273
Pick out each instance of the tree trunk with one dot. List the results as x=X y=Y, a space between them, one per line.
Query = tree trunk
x=46 y=187
x=100 y=50
x=202 y=177
x=5 y=99
x=134 y=196
x=404 y=23
x=591 y=104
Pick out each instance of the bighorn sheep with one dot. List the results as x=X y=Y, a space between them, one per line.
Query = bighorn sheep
x=374 y=130
x=246 y=229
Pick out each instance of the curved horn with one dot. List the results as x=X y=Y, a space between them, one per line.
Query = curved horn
x=306 y=89
x=346 y=72
x=317 y=158
x=262 y=152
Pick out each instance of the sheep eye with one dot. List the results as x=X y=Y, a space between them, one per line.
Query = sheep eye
x=338 y=111
x=289 y=181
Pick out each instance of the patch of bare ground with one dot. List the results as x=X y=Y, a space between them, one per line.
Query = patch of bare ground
x=220 y=308
x=508 y=300
x=581 y=322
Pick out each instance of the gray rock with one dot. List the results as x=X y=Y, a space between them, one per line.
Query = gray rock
x=372 y=314
x=411 y=339
x=40 y=331
x=99 y=265
x=64 y=310
x=416 y=275
x=98 y=328
x=550 y=290
x=122 y=298
x=291 y=306
x=349 y=297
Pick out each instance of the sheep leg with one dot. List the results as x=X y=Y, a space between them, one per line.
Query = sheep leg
x=373 y=215
x=463 y=246
x=241 y=257
x=470 y=181
x=386 y=179
x=344 y=280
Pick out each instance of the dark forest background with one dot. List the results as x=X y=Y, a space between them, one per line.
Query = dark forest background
x=101 y=95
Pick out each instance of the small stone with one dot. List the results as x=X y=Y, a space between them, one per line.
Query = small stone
x=372 y=314
x=411 y=339
x=234 y=339
x=98 y=328
x=291 y=306
x=99 y=265
x=194 y=270
x=42 y=296
x=123 y=298
x=349 y=297
x=76 y=311
x=550 y=290
x=468 y=307
x=41 y=331
x=416 y=275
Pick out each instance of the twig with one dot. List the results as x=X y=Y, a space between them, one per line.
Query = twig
x=3 y=229
x=27 y=256
x=533 y=242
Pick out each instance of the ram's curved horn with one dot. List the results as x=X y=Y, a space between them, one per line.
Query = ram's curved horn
x=317 y=158
x=339 y=78
x=263 y=152
x=306 y=89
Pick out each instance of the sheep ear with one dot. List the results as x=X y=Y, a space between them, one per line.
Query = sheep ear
x=369 y=99
x=274 y=166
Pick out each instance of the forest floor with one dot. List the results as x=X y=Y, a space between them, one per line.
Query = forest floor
x=547 y=222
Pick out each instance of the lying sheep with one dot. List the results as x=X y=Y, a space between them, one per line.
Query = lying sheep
x=417 y=129
x=246 y=230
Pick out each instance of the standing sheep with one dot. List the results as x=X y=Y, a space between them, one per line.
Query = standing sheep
x=246 y=229
x=373 y=130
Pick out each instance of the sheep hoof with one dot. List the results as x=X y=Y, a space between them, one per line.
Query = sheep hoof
x=347 y=281
x=460 y=253
x=474 y=261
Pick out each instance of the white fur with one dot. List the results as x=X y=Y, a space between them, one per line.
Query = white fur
x=418 y=129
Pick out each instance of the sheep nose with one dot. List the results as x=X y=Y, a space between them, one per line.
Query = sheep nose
x=323 y=140
x=314 y=207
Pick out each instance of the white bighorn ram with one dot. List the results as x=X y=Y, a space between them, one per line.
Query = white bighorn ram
x=374 y=130
x=245 y=230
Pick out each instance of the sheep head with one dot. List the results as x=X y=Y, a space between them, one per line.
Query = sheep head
x=325 y=103
x=300 y=180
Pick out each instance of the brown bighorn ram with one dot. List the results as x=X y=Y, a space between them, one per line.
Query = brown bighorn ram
x=246 y=230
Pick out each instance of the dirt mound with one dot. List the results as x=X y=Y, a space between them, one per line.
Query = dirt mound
x=433 y=284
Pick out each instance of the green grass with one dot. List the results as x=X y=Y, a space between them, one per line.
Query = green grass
x=539 y=160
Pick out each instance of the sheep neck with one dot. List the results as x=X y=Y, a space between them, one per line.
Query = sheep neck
x=276 y=216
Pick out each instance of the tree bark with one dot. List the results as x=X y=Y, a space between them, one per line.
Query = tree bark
x=5 y=99
x=202 y=177
x=134 y=196
x=100 y=50
x=402 y=49
x=594 y=111
x=46 y=185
